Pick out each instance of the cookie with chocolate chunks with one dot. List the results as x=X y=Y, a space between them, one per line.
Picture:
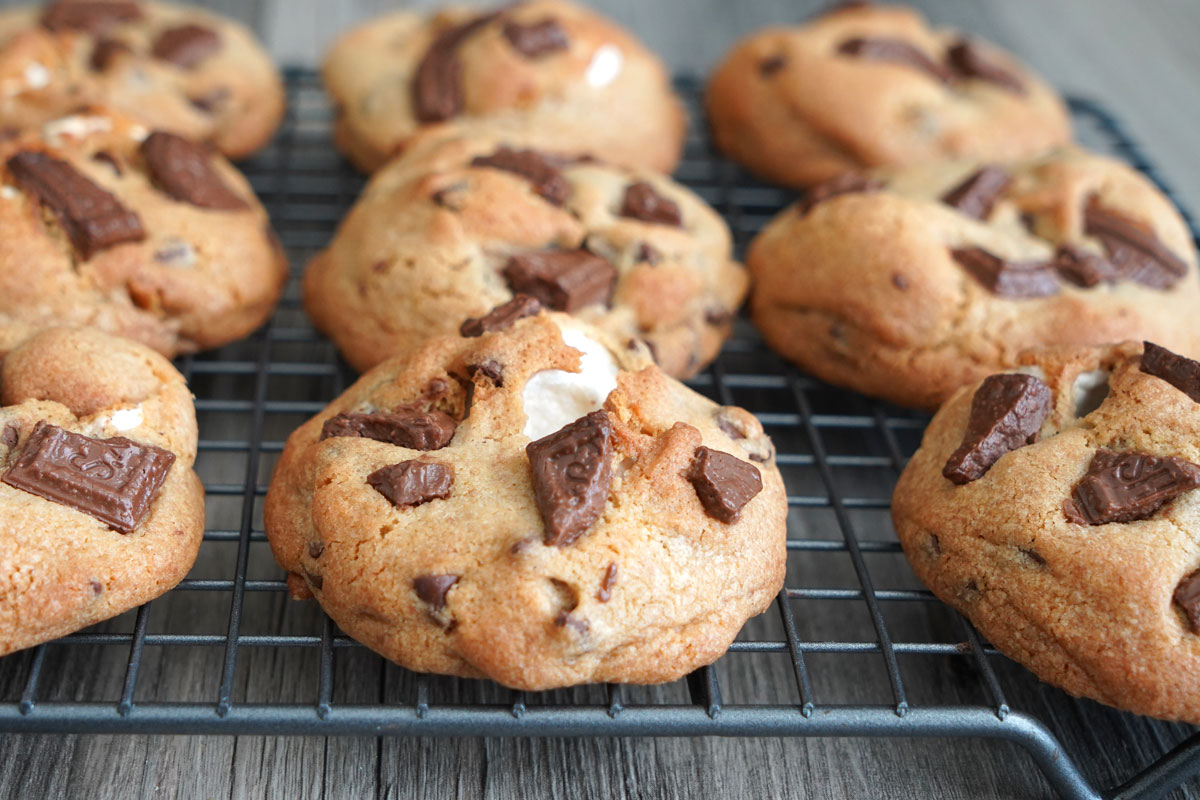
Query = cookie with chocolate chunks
x=572 y=486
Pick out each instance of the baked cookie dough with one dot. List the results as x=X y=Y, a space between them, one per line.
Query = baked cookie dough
x=454 y=228
x=553 y=72
x=100 y=510
x=871 y=86
x=137 y=232
x=174 y=68
x=535 y=503
x=1076 y=554
x=906 y=285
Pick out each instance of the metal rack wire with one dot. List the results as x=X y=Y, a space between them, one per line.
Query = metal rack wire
x=850 y=602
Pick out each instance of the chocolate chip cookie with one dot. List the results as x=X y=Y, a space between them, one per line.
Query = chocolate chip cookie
x=533 y=502
x=100 y=510
x=456 y=227
x=872 y=86
x=174 y=68
x=137 y=232
x=1058 y=509
x=909 y=284
x=553 y=72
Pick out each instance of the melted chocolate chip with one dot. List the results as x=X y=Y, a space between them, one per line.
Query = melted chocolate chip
x=92 y=17
x=10 y=436
x=316 y=549
x=450 y=197
x=723 y=483
x=604 y=593
x=1082 y=268
x=537 y=38
x=105 y=53
x=968 y=61
x=572 y=471
x=1187 y=594
x=540 y=170
x=896 y=51
x=564 y=280
x=411 y=483
x=490 y=370
x=502 y=317
x=771 y=65
x=416 y=430
x=643 y=202
x=565 y=619
x=106 y=157
x=1016 y=279
x=846 y=183
x=186 y=46
x=184 y=170
x=437 y=85
x=1006 y=413
x=977 y=195
x=1125 y=487
x=900 y=281
x=1182 y=373
x=211 y=101
x=432 y=589
x=649 y=254
x=114 y=480
x=93 y=218
x=1134 y=250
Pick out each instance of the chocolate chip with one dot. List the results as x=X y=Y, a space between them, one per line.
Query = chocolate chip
x=317 y=581
x=432 y=589
x=1134 y=250
x=183 y=169
x=771 y=65
x=540 y=170
x=900 y=281
x=104 y=156
x=411 y=483
x=186 y=46
x=604 y=594
x=502 y=317
x=10 y=436
x=93 y=17
x=96 y=586
x=731 y=427
x=968 y=61
x=450 y=197
x=572 y=470
x=537 y=38
x=114 y=480
x=93 y=218
x=1182 y=373
x=846 y=183
x=1125 y=487
x=1082 y=268
x=1006 y=413
x=437 y=84
x=896 y=51
x=649 y=254
x=1017 y=279
x=105 y=53
x=490 y=369
x=176 y=253
x=643 y=202
x=212 y=100
x=416 y=430
x=564 y=280
x=1187 y=594
x=718 y=317
x=316 y=549
x=723 y=483
x=1033 y=555
x=566 y=619
x=976 y=196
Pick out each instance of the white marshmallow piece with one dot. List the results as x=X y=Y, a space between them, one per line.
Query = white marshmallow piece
x=605 y=66
x=37 y=76
x=124 y=419
x=554 y=398
x=77 y=126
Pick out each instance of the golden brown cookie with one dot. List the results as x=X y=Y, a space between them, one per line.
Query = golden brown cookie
x=906 y=285
x=1077 y=554
x=100 y=510
x=550 y=71
x=536 y=504
x=452 y=229
x=873 y=86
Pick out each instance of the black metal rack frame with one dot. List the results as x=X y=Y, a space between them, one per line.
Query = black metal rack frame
x=840 y=454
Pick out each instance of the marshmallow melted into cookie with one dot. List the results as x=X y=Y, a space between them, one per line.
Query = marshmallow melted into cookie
x=554 y=397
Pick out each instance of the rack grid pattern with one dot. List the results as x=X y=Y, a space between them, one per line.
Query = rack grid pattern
x=849 y=595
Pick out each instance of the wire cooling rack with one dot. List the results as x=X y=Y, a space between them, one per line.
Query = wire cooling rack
x=853 y=647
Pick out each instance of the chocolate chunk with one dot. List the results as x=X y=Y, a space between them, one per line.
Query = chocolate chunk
x=92 y=17
x=649 y=254
x=642 y=202
x=565 y=619
x=437 y=84
x=900 y=281
x=540 y=170
x=10 y=436
x=186 y=46
x=1017 y=279
x=92 y=218
x=724 y=484
x=536 y=39
x=977 y=195
x=968 y=61
x=317 y=581
x=183 y=169
x=846 y=183
x=1006 y=413
x=105 y=52
x=1125 y=487
x=416 y=430
x=110 y=159
x=212 y=100
x=316 y=549
x=1182 y=373
x=771 y=64
x=1187 y=594
x=1134 y=250
x=572 y=470
x=604 y=594
x=502 y=317
x=564 y=280
x=492 y=370
x=896 y=51
x=432 y=589
x=114 y=480
x=717 y=316
x=1082 y=268
x=411 y=483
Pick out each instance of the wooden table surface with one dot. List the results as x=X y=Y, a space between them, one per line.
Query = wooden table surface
x=1141 y=59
